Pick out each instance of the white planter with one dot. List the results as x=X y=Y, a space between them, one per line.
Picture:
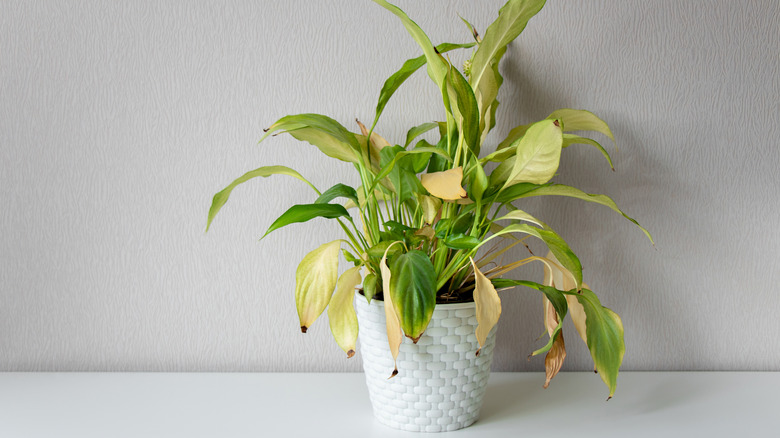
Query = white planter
x=440 y=383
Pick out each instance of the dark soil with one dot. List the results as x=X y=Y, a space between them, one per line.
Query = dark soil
x=441 y=297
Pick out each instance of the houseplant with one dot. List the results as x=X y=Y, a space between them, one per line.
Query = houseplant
x=433 y=221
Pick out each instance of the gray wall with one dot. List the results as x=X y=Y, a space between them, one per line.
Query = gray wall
x=120 y=120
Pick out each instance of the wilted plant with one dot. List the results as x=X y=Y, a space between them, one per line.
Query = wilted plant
x=433 y=222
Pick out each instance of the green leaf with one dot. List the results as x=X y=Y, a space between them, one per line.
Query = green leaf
x=221 y=197
x=471 y=27
x=581 y=120
x=516 y=191
x=605 y=337
x=328 y=135
x=520 y=215
x=466 y=111
x=392 y=83
x=461 y=241
x=570 y=139
x=418 y=131
x=512 y=19
x=556 y=297
x=557 y=245
x=305 y=212
x=538 y=154
x=420 y=161
x=369 y=287
x=337 y=191
x=341 y=311
x=402 y=177
x=315 y=280
x=413 y=291
x=437 y=66
x=386 y=169
x=564 y=190
x=378 y=250
x=478 y=181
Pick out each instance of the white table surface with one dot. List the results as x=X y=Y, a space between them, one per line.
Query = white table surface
x=690 y=404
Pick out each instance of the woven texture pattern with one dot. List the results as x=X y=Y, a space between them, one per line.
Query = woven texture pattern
x=440 y=382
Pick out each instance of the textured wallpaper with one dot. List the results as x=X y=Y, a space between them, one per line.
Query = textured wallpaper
x=120 y=120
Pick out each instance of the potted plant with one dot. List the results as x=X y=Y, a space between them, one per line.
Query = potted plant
x=425 y=227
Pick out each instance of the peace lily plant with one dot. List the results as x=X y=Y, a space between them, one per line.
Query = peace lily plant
x=429 y=222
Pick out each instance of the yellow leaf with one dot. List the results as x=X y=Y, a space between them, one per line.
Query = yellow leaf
x=376 y=140
x=538 y=154
x=488 y=305
x=315 y=280
x=394 y=333
x=341 y=311
x=445 y=185
x=430 y=207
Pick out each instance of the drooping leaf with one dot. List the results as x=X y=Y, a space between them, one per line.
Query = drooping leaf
x=564 y=190
x=341 y=311
x=512 y=19
x=413 y=291
x=599 y=327
x=328 y=135
x=315 y=280
x=394 y=333
x=604 y=337
x=538 y=154
x=520 y=215
x=555 y=297
x=581 y=120
x=554 y=359
x=305 y=212
x=445 y=185
x=488 y=305
x=570 y=139
x=221 y=197
x=554 y=242
x=556 y=277
x=337 y=191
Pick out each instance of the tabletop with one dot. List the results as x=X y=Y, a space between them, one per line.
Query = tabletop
x=195 y=405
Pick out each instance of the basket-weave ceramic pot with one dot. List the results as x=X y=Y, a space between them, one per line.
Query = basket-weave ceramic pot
x=441 y=381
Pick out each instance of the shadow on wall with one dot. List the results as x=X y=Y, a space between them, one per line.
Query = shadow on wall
x=638 y=279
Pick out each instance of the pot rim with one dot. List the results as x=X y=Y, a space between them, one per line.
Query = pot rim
x=449 y=306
